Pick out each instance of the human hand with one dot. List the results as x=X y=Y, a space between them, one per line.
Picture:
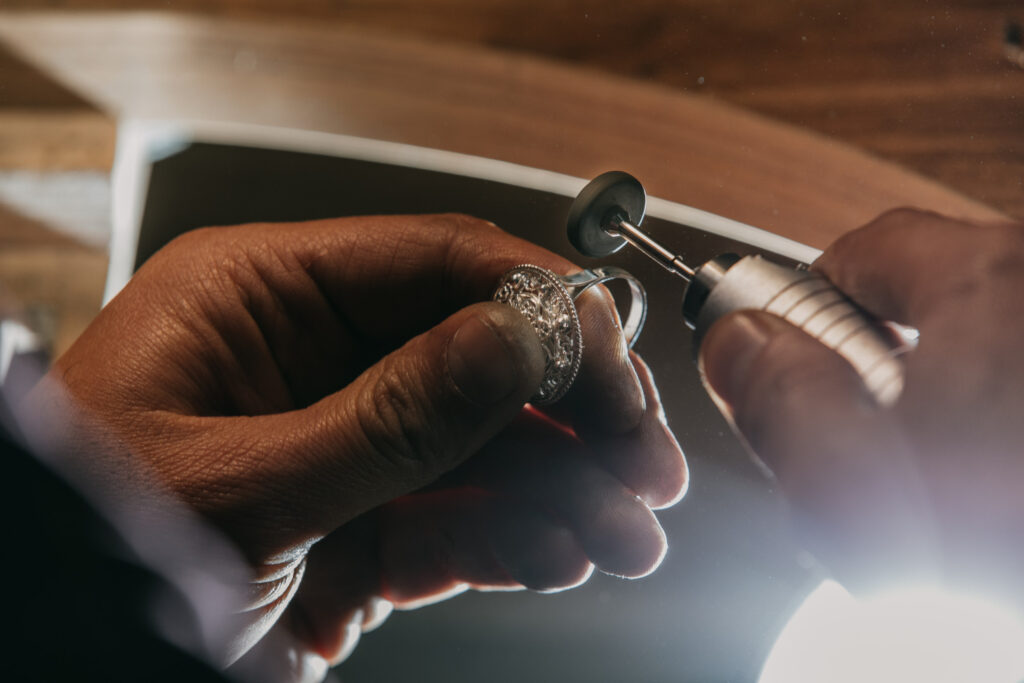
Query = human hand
x=935 y=483
x=316 y=391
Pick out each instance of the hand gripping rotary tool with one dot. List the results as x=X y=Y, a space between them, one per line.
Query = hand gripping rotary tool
x=606 y=216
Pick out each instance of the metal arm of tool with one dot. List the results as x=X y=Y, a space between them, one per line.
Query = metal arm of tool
x=605 y=217
x=673 y=263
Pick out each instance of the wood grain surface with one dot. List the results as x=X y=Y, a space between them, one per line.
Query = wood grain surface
x=569 y=86
x=514 y=108
x=924 y=83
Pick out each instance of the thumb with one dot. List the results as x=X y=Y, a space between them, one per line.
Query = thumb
x=411 y=417
x=857 y=496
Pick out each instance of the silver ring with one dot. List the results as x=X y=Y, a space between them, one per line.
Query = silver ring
x=547 y=300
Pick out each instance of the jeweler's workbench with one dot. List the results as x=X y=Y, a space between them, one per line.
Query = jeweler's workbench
x=806 y=119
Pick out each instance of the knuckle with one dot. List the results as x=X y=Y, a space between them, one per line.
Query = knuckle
x=994 y=268
x=395 y=422
x=1005 y=254
x=907 y=220
x=454 y=229
x=900 y=216
x=902 y=219
x=191 y=241
x=894 y=221
x=463 y=222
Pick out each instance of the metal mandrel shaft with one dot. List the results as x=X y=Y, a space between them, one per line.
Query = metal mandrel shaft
x=651 y=248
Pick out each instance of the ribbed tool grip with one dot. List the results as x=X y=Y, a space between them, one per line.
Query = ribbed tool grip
x=813 y=304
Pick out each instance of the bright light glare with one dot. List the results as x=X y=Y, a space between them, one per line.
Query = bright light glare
x=924 y=634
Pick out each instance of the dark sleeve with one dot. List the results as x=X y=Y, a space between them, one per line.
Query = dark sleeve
x=78 y=605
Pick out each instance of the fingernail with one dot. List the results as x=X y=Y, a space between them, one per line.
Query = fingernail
x=728 y=350
x=487 y=365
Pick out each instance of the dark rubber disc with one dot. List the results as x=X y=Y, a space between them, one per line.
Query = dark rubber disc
x=604 y=196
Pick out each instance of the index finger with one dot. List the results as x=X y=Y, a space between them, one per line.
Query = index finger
x=907 y=262
x=395 y=276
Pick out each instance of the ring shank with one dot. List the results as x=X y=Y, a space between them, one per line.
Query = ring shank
x=577 y=283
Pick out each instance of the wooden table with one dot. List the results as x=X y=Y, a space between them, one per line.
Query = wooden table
x=924 y=83
x=70 y=75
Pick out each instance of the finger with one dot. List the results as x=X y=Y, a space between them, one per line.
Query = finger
x=858 y=500
x=907 y=263
x=280 y=656
x=392 y=276
x=647 y=459
x=438 y=543
x=291 y=478
x=339 y=598
x=541 y=465
x=425 y=408
x=959 y=283
x=424 y=548
x=536 y=550
x=434 y=546
x=607 y=396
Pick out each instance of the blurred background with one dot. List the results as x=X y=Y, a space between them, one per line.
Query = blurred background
x=935 y=86
x=804 y=117
x=930 y=84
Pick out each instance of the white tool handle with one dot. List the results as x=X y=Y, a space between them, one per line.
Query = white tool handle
x=813 y=304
